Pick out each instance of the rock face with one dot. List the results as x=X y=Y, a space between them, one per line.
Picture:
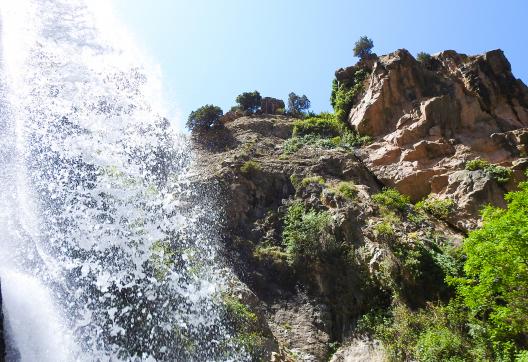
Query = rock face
x=428 y=121
x=308 y=306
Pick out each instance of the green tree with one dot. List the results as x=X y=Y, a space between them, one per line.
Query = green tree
x=363 y=47
x=204 y=117
x=495 y=286
x=249 y=101
x=297 y=104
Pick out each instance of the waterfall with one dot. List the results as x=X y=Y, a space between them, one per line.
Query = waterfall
x=107 y=252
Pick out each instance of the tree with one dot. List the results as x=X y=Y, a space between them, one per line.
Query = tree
x=297 y=104
x=363 y=47
x=249 y=101
x=495 y=288
x=204 y=117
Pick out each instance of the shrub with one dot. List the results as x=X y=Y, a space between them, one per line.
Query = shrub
x=363 y=47
x=391 y=199
x=346 y=190
x=496 y=274
x=204 y=117
x=498 y=173
x=440 y=344
x=324 y=125
x=249 y=102
x=477 y=164
x=275 y=254
x=344 y=94
x=351 y=140
x=312 y=180
x=425 y=59
x=297 y=104
x=440 y=208
x=250 y=167
x=307 y=234
x=384 y=230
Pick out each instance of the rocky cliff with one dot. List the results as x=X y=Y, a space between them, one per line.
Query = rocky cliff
x=313 y=233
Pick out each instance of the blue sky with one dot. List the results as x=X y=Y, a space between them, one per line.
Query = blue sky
x=212 y=50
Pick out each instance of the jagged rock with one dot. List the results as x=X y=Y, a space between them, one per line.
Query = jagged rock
x=427 y=122
x=315 y=303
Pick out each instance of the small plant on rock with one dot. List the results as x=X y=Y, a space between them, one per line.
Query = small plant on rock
x=391 y=199
x=500 y=174
x=249 y=167
x=440 y=208
x=307 y=233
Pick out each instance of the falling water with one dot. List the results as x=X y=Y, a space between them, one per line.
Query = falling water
x=105 y=252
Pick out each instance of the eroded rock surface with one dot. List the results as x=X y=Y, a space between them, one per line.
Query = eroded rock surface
x=428 y=121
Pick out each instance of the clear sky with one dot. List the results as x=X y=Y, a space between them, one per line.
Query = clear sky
x=212 y=50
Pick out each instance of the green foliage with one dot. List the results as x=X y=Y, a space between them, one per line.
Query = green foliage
x=307 y=234
x=385 y=230
x=344 y=94
x=246 y=325
x=391 y=199
x=324 y=125
x=363 y=47
x=250 y=167
x=487 y=319
x=498 y=173
x=435 y=333
x=322 y=131
x=238 y=311
x=440 y=344
x=249 y=102
x=204 y=117
x=346 y=189
x=495 y=287
x=312 y=180
x=297 y=105
x=424 y=58
x=477 y=164
x=440 y=208
x=350 y=140
x=273 y=254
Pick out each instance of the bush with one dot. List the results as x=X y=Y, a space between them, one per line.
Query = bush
x=204 y=117
x=440 y=208
x=324 y=125
x=297 y=104
x=391 y=199
x=346 y=190
x=312 y=180
x=249 y=102
x=344 y=94
x=496 y=274
x=498 y=173
x=384 y=230
x=249 y=167
x=363 y=47
x=440 y=344
x=425 y=59
x=307 y=234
